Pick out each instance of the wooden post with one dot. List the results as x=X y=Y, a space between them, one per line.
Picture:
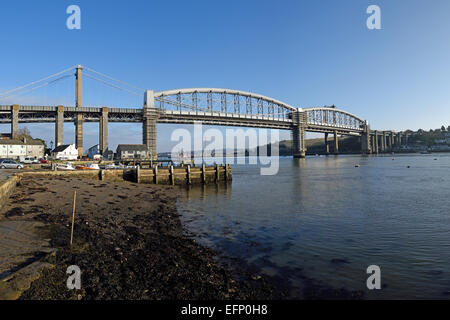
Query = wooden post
x=203 y=174
x=188 y=174
x=138 y=174
x=171 y=175
x=73 y=215
x=155 y=174
x=216 y=167
x=102 y=175
x=226 y=172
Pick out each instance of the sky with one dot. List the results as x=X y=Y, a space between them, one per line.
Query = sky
x=305 y=52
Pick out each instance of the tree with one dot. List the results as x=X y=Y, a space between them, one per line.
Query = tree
x=23 y=133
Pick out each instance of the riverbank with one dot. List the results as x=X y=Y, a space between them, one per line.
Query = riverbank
x=128 y=242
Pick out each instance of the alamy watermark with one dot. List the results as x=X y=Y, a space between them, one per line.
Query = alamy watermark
x=74 y=280
x=374 y=20
x=74 y=20
x=213 y=146
x=374 y=281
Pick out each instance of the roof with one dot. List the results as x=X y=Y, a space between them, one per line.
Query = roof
x=61 y=148
x=131 y=147
x=94 y=147
x=19 y=142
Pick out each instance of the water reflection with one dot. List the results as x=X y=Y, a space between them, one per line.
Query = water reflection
x=329 y=218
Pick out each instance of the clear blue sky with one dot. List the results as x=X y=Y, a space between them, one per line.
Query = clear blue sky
x=306 y=53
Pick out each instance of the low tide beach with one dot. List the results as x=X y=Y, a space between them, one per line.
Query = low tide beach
x=128 y=242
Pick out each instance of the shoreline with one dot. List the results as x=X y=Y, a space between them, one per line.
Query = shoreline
x=128 y=242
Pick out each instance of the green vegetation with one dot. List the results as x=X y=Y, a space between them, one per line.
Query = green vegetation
x=429 y=138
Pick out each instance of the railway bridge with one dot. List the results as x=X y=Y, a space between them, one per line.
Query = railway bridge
x=210 y=106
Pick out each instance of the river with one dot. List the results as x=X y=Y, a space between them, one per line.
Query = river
x=329 y=218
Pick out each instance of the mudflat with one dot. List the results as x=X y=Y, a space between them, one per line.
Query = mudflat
x=128 y=242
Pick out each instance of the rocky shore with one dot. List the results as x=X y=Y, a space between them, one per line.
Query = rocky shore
x=128 y=242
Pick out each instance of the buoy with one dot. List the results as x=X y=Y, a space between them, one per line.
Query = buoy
x=408 y=166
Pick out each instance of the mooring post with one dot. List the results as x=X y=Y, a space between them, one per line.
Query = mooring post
x=138 y=174
x=203 y=174
x=155 y=174
x=171 y=175
x=216 y=167
x=188 y=174
x=226 y=172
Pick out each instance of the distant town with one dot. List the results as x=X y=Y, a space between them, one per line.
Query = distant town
x=26 y=147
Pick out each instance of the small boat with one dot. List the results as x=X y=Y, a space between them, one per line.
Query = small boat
x=65 y=167
x=113 y=167
x=92 y=166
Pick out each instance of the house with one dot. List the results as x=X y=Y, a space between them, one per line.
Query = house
x=108 y=155
x=65 y=152
x=17 y=149
x=132 y=151
x=94 y=152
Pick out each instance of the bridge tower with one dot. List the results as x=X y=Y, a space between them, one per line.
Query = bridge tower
x=150 y=116
x=299 y=120
x=365 y=140
x=79 y=115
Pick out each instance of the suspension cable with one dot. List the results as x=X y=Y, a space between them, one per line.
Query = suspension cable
x=112 y=85
x=111 y=78
x=40 y=86
x=35 y=82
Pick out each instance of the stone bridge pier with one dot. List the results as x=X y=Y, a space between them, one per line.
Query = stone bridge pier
x=299 y=119
x=150 y=117
x=59 y=126
x=103 y=131
x=365 y=140
x=14 y=121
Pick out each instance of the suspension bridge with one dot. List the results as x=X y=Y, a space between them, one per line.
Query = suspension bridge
x=210 y=106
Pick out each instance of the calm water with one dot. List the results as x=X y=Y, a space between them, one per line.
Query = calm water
x=319 y=209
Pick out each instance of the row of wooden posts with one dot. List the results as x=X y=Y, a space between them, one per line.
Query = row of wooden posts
x=181 y=175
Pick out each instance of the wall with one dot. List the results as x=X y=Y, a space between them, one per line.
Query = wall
x=7 y=187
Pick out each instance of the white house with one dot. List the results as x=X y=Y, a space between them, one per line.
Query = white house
x=17 y=149
x=65 y=152
x=132 y=151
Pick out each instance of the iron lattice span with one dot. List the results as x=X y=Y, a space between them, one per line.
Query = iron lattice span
x=209 y=106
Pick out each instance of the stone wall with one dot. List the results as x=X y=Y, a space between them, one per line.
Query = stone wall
x=7 y=187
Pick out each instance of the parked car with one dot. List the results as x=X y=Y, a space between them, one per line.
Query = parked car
x=10 y=164
x=43 y=161
x=30 y=160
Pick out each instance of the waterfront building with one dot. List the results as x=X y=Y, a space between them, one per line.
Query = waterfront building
x=132 y=151
x=65 y=152
x=17 y=149
x=94 y=152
